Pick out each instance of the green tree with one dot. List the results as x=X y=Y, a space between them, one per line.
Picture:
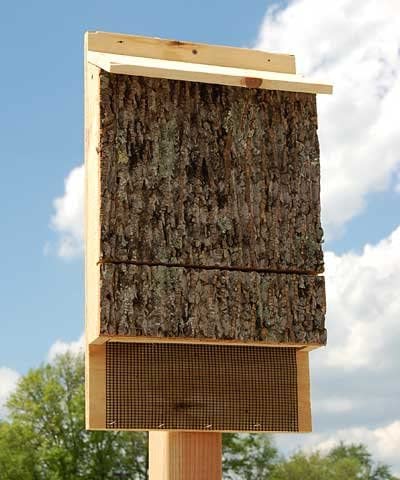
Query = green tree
x=45 y=437
x=343 y=462
x=368 y=469
x=248 y=456
x=17 y=462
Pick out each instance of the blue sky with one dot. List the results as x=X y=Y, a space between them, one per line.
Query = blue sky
x=353 y=43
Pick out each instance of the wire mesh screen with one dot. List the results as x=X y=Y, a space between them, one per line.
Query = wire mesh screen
x=201 y=387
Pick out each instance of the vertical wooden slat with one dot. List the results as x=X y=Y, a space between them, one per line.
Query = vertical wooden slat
x=303 y=392
x=92 y=200
x=95 y=368
x=95 y=387
x=185 y=455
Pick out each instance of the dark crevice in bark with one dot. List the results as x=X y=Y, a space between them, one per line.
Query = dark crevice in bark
x=171 y=302
x=234 y=268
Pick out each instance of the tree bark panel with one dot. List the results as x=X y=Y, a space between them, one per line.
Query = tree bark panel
x=211 y=175
x=176 y=302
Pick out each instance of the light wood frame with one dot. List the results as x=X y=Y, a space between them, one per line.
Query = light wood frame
x=133 y=55
x=176 y=60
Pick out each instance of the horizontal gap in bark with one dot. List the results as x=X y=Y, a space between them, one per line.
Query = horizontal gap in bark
x=168 y=302
x=234 y=268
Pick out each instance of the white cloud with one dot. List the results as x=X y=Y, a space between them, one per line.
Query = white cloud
x=9 y=378
x=60 y=347
x=333 y=405
x=8 y=382
x=355 y=44
x=68 y=217
x=363 y=306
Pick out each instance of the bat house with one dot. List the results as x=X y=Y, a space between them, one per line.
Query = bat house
x=204 y=292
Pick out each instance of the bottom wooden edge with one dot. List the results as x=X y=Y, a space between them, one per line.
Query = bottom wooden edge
x=102 y=339
x=101 y=429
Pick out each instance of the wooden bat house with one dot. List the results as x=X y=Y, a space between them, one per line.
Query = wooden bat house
x=203 y=261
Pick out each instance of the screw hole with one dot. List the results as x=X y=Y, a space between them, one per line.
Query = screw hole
x=120 y=41
x=194 y=51
x=269 y=60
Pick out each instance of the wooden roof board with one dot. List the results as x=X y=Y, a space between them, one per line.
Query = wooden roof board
x=182 y=51
x=195 y=72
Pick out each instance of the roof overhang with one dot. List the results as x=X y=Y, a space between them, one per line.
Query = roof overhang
x=197 y=62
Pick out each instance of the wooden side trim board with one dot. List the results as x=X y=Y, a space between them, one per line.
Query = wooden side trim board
x=92 y=201
x=95 y=388
x=303 y=392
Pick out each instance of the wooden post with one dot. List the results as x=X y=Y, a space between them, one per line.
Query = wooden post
x=185 y=455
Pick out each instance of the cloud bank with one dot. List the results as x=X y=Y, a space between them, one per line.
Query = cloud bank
x=364 y=308
x=355 y=44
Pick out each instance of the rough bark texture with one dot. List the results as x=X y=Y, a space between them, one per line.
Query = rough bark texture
x=205 y=174
x=211 y=304
x=196 y=175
